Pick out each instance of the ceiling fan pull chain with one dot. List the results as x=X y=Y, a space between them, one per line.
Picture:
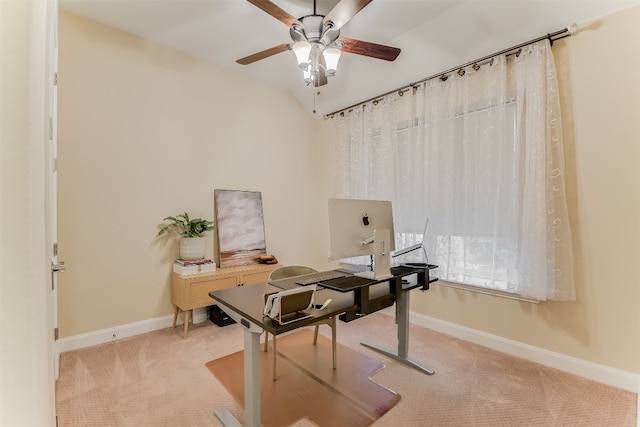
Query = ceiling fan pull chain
x=314 y=100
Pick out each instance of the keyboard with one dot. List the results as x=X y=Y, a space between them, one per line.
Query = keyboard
x=320 y=277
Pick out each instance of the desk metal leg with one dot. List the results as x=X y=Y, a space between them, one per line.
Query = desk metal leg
x=402 y=320
x=226 y=417
x=251 y=379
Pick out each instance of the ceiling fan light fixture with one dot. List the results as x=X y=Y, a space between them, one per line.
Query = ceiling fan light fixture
x=302 y=49
x=308 y=78
x=331 y=57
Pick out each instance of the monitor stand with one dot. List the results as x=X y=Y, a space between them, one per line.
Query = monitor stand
x=381 y=257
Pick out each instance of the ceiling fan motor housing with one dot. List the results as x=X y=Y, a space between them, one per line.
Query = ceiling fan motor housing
x=313 y=30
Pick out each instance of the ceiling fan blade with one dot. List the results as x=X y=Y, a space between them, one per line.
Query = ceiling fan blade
x=264 y=54
x=372 y=50
x=344 y=11
x=276 y=12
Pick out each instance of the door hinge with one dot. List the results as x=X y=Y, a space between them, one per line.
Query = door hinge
x=55 y=249
x=55 y=334
x=55 y=79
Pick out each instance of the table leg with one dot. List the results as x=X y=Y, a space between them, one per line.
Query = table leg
x=186 y=323
x=225 y=416
x=333 y=340
x=251 y=377
x=402 y=320
x=175 y=316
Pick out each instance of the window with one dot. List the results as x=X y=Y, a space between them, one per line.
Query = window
x=480 y=155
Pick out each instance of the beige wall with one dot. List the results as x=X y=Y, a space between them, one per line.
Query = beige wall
x=146 y=132
x=599 y=71
x=130 y=111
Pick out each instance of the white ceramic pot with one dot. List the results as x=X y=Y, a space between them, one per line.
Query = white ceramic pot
x=192 y=247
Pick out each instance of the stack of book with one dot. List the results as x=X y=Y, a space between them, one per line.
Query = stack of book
x=186 y=267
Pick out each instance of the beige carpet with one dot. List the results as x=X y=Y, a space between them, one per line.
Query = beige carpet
x=160 y=379
x=308 y=387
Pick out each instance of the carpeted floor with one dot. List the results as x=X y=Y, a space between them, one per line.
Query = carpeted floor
x=160 y=379
x=308 y=387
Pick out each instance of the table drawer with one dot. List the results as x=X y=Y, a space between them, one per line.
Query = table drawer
x=200 y=290
x=253 y=278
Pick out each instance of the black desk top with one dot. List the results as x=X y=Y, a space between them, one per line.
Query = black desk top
x=352 y=283
x=248 y=301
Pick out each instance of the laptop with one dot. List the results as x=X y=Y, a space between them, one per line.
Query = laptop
x=413 y=247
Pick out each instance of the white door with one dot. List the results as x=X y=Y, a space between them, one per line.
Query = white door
x=52 y=179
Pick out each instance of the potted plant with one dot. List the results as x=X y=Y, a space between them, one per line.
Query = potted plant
x=190 y=231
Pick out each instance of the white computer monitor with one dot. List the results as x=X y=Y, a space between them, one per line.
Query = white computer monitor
x=352 y=226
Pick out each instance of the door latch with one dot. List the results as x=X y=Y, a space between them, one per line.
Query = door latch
x=58 y=267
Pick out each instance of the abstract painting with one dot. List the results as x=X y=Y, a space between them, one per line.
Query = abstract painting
x=240 y=225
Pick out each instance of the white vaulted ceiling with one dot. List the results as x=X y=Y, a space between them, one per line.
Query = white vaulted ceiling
x=434 y=35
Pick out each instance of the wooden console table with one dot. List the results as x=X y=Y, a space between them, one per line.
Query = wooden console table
x=192 y=291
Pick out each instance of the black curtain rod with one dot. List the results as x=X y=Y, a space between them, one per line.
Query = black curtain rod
x=557 y=35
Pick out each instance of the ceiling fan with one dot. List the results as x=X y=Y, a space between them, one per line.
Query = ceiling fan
x=316 y=40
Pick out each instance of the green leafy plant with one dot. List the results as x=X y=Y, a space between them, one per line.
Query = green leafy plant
x=184 y=226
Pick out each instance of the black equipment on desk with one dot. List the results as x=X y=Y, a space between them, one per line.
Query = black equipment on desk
x=417 y=266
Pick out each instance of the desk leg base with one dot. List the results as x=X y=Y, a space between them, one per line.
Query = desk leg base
x=226 y=417
x=405 y=360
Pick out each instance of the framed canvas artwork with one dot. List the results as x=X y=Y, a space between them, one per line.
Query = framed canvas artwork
x=240 y=225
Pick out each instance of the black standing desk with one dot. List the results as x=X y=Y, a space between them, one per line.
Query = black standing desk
x=398 y=293
x=245 y=305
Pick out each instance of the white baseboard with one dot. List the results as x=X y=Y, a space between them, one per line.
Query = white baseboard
x=124 y=331
x=593 y=371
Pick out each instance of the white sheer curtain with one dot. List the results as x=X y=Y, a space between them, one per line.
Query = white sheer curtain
x=480 y=155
